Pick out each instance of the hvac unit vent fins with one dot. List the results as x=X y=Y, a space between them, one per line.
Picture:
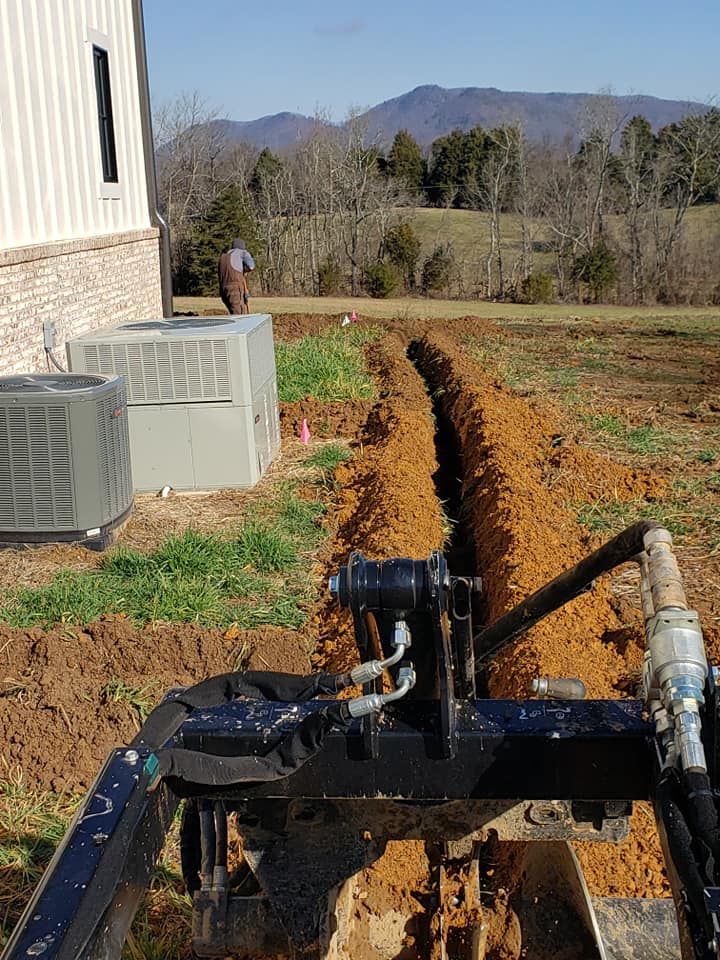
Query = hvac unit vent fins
x=114 y=453
x=36 y=483
x=64 y=458
x=165 y=371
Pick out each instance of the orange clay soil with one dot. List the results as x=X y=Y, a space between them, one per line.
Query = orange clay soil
x=387 y=505
x=524 y=537
x=60 y=713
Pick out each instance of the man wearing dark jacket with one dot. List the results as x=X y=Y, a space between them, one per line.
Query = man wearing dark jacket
x=233 y=267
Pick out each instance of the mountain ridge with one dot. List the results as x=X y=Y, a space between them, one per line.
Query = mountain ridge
x=429 y=111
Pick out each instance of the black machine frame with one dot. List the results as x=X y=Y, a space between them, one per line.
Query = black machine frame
x=438 y=764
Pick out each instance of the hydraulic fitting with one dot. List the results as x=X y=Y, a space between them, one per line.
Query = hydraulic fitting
x=401 y=640
x=374 y=702
x=558 y=688
x=675 y=674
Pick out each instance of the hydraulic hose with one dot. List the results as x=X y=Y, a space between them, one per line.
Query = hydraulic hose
x=681 y=849
x=568 y=585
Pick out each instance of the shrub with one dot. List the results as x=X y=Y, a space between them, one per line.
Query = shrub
x=597 y=268
x=329 y=277
x=537 y=288
x=402 y=245
x=436 y=270
x=381 y=279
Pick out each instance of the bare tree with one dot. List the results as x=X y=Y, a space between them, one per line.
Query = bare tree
x=189 y=143
x=687 y=166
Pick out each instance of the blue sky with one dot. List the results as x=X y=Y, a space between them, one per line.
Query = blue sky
x=251 y=59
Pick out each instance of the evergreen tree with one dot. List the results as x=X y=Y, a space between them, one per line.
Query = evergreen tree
x=266 y=167
x=445 y=169
x=402 y=245
x=405 y=161
x=597 y=268
x=227 y=218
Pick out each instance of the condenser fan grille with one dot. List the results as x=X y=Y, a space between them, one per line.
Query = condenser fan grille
x=49 y=383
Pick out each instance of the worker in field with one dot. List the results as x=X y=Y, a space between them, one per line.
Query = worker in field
x=233 y=267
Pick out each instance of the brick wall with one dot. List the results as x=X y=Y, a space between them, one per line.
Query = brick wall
x=81 y=285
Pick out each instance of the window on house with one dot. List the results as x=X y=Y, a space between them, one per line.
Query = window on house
x=105 y=115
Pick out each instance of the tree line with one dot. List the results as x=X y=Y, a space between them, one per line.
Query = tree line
x=603 y=215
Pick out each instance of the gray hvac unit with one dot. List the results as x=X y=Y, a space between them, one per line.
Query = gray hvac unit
x=202 y=397
x=64 y=458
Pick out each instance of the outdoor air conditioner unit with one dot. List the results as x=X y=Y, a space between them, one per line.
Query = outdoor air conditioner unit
x=64 y=458
x=202 y=397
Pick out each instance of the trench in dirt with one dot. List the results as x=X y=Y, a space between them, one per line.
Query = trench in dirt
x=439 y=433
x=444 y=433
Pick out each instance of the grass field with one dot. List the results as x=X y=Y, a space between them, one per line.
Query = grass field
x=469 y=230
x=415 y=307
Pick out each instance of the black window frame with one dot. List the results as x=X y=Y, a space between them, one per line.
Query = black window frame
x=106 y=123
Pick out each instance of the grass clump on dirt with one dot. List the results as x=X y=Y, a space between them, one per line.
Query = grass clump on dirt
x=644 y=439
x=328 y=366
x=327 y=459
x=252 y=577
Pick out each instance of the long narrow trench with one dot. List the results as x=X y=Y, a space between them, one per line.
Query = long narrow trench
x=459 y=547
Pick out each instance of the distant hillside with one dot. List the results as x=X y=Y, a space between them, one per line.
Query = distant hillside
x=276 y=131
x=430 y=111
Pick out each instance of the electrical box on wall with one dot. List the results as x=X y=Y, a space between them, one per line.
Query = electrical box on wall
x=202 y=397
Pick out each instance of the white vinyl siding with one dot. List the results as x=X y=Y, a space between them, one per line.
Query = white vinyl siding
x=51 y=180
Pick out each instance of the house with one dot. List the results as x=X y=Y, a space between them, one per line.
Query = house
x=81 y=241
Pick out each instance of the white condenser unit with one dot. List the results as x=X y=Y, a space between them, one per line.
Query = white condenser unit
x=202 y=397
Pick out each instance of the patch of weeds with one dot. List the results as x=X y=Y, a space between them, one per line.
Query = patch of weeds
x=139 y=699
x=614 y=515
x=329 y=366
x=644 y=439
x=709 y=455
x=327 y=458
x=685 y=513
x=262 y=544
x=564 y=378
x=258 y=576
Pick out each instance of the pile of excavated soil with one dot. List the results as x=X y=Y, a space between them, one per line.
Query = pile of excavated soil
x=524 y=536
x=344 y=419
x=293 y=326
x=59 y=716
x=386 y=503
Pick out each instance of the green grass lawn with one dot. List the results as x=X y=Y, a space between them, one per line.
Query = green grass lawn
x=329 y=366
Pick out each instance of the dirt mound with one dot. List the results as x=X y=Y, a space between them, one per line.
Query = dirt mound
x=577 y=473
x=69 y=695
x=387 y=505
x=524 y=537
x=293 y=326
x=344 y=419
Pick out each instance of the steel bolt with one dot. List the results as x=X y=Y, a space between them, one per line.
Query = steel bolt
x=333 y=586
x=131 y=756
